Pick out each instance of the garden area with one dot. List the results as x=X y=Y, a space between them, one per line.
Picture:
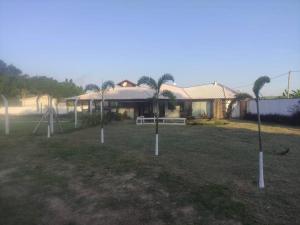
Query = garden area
x=206 y=173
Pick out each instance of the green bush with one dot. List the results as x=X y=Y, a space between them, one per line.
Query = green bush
x=293 y=119
x=89 y=120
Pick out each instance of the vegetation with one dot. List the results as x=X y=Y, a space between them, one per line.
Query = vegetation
x=293 y=93
x=156 y=86
x=101 y=90
x=238 y=97
x=15 y=84
x=258 y=85
x=205 y=175
x=88 y=120
x=293 y=120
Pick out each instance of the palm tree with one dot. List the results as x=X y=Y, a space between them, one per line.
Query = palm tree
x=101 y=90
x=293 y=94
x=259 y=83
x=285 y=93
x=156 y=86
x=238 y=97
x=296 y=93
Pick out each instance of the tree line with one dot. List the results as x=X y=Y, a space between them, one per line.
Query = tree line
x=15 y=84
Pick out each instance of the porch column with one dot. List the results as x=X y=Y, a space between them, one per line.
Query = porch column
x=91 y=106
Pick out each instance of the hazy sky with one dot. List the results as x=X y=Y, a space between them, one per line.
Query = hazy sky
x=232 y=42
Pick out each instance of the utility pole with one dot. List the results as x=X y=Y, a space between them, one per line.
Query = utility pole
x=289 y=80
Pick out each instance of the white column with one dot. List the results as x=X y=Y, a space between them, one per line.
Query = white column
x=102 y=136
x=156 y=144
x=6 y=114
x=48 y=131
x=261 y=171
x=91 y=106
x=51 y=115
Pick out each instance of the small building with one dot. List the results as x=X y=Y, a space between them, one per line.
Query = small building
x=199 y=101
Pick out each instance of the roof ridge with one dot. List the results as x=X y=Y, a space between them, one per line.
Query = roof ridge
x=196 y=85
x=228 y=88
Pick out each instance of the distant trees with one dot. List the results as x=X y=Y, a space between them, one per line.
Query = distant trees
x=13 y=83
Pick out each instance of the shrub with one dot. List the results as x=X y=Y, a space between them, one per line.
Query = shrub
x=294 y=119
x=88 y=120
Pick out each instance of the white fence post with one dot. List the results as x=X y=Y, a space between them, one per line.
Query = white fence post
x=51 y=115
x=75 y=112
x=6 y=114
x=91 y=106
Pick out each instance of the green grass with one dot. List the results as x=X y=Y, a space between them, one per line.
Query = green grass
x=204 y=175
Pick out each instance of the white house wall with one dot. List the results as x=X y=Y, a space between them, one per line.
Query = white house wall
x=172 y=113
x=235 y=110
x=273 y=106
x=31 y=110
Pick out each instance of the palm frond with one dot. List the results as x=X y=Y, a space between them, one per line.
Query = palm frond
x=108 y=84
x=172 y=98
x=259 y=83
x=164 y=79
x=238 y=97
x=242 y=96
x=147 y=81
x=91 y=87
x=168 y=94
x=296 y=93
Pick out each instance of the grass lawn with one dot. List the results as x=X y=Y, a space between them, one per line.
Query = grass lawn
x=205 y=174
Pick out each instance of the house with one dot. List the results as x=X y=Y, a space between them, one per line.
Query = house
x=200 y=101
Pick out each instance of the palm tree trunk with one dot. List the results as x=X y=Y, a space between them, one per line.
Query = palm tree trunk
x=156 y=128
x=261 y=182
x=102 y=130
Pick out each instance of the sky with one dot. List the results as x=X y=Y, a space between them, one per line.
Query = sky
x=231 y=42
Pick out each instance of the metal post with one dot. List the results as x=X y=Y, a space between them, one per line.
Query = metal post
x=6 y=114
x=289 y=80
x=75 y=112
x=51 y=115
x=102 y=130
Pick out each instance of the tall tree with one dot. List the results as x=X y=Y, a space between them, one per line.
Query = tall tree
x=105 y=86
x=156 y=87
x=15 y=84
x=258 y=85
